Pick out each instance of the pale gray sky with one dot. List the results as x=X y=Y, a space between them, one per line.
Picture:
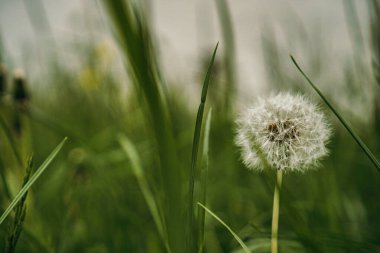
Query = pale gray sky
x=186 y=28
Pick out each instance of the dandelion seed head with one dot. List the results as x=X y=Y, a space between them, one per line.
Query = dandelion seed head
x=286 y=131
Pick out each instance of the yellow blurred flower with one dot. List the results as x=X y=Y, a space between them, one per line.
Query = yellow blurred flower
x=88 y=79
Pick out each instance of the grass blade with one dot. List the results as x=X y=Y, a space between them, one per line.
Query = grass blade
x=136 y=41
x=203 y=183
x=344 y=123
x=136 y=167
x=229 y=52
x=20 y=212
x=32 y=180
x=237 y=238
x=194 y=155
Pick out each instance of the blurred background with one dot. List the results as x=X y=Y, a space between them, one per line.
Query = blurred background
x=186 y=30
x=98 y=70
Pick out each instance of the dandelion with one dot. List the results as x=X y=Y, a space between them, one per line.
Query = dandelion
x=287 y=131
x=284 y=132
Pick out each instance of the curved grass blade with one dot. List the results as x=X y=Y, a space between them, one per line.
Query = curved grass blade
x=203 y=183
x=344 y=123
x=32 y=180
x=194 y=155
x=237 y=238
x=135 y=38
x=136 y=167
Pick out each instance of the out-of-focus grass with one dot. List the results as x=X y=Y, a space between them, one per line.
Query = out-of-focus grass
x=90 y=199
x=29 y=182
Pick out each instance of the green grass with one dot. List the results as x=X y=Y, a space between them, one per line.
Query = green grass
x=237 y=238
x=31 y=181
x=194 y=155
x=131 y=152
x=203 y=184
x=140 y=156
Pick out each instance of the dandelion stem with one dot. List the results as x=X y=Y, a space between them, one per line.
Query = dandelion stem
x=276 y=211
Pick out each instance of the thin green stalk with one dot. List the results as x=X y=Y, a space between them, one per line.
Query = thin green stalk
x=32 y=180
x=136 y=167
x=276 y=211
x=203 y=184
x=229 y=52
x=341 y=119
x=20 y=213
x=237 y=238
x=136 y=42
x=194 y=155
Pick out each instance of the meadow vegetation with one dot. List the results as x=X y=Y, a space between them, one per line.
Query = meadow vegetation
x=140 y=154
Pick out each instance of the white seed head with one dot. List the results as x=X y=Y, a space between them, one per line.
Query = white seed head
x=285 y=131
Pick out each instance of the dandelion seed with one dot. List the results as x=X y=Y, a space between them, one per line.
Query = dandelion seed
x=286 y=130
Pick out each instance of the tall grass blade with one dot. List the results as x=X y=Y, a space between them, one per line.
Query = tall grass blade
x=32 y=180
x=136 y=167
x=194 y=155
x=341 y=119
x=203 y=183
x=136 y=42
x=19 y=214
x=229 y=51
x=374 y=18
x=237 y=238
x=374 y=11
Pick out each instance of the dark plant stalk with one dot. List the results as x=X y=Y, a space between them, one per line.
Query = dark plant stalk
x=20 y=212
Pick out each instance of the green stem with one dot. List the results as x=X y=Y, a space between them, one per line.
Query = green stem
x=276 y=211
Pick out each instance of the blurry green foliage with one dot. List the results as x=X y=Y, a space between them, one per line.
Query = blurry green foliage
x=90 y=199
